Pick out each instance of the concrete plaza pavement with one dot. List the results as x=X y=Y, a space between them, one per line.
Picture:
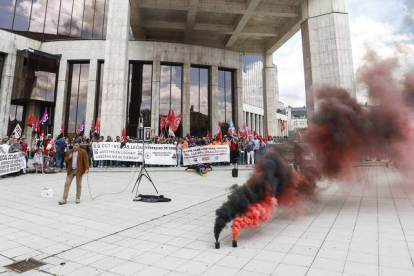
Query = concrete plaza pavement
x=364 y=227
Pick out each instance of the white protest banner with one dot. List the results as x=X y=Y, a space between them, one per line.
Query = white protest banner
x=11 y=162
x=17 y=132
x=112 y=151
x=206 y=154
x=160 y=154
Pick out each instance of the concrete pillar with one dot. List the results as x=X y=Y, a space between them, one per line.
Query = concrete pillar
x=61 y=96
x=113 y=112
x=90 y=100
x=253 y=122
x=6 y=92
x=270 y=94
x=326 y=43
x=214 y=100
x=238 y=96
x=155 y=98
x=186 y=98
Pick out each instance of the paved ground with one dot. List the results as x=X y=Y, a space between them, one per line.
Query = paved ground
x=365 y=227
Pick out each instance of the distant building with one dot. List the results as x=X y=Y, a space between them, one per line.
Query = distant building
x=297 y=117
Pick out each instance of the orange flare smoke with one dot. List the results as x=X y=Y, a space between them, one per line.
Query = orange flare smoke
x=255 y=214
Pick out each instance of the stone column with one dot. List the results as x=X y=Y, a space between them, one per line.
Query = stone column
x=186 y=98
x=6 y=90
x=214 y=100
x=326 y=43
x=155 y=98
x=90 y=100
x=113 y=112
x=61 y=96
x=238 y=96
x=270 y=94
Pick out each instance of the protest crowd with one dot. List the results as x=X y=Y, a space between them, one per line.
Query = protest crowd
x=48 y=153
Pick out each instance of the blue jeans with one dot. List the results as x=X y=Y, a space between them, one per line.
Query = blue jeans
x=241 y=157
x=179 y=155
x=58 y=159
x=101 y=163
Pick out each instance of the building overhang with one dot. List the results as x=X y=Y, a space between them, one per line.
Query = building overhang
x=249 y=26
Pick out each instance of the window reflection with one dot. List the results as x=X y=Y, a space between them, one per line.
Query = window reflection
x=98 y=98
x=75 y=18
x=225 y=99
x=15 y=117
x=199 y=115
x=253 y=80
x=139 y=96
x=35 y=77
x=77 y=94
x=171 y=90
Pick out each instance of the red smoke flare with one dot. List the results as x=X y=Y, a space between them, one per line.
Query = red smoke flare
x=256 y=213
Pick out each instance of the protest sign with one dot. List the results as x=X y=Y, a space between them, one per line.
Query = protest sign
x=155 y=154
x=112 y=151
x=11 y=163
x=160 y=154
x=206 y=154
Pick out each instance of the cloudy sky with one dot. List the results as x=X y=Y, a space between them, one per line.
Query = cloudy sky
x=384 y=26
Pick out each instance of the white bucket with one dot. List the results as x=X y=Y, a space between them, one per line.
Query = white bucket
x=46 y=192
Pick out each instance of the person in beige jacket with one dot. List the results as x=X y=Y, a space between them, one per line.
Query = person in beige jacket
x=77 y=165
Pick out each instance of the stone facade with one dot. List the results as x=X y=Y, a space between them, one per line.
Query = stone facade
x=327 y=59
x=327 y=52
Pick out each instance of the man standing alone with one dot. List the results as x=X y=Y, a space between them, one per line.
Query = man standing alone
x=78 y=165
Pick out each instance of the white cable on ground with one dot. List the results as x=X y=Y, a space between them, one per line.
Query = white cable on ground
x=90 y=191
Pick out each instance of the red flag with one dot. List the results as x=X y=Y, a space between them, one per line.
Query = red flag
x=219 y=132
x=267 y=134
x=30 y=121
x=97 y=127
x=170 y=118
x=162 y=123
x=124 y=138
x=35 y=131
x=282 y=125
x=62 y=129
x=176 y=123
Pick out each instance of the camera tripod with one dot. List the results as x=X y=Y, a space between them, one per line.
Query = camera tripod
x=143 y=173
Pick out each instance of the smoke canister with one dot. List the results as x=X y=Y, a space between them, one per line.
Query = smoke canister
x=234 y=243
x=217 y=245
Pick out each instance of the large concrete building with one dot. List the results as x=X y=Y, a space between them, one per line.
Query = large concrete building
x=119 y=60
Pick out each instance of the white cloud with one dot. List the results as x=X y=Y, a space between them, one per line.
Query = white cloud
x=289 y=61
x=383 y=38
x=374 y=29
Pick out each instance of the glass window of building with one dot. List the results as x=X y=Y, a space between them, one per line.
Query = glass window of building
x=99 y=89
x=49 y=19
x=139 y=96
x=253 y=80
x=225 y=99
x=171 y=89
x=199 y=100
x=36 y=76
x=77 y=94
x=15 y=117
